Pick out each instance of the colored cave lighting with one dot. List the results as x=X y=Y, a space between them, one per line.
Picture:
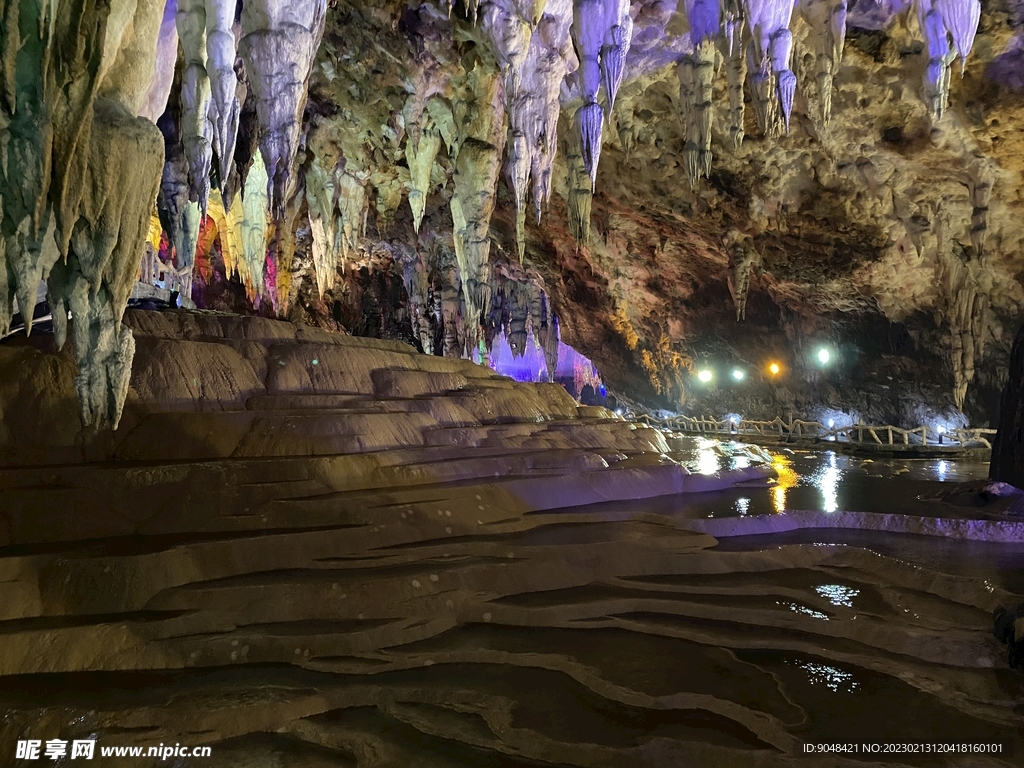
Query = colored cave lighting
x=571 y=366
x=774 y=369
x=705 y=376
x=738 y=374
x=824 y=356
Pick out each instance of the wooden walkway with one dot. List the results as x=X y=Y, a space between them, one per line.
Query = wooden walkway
x=869 y=438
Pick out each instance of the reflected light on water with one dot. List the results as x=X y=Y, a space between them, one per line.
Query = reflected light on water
x=832 y=678
x=827 y=481
x=797 y=608
x=742 y=505
x=708 y=459
x=787 y=478
x=942 y=470
x=837 y=594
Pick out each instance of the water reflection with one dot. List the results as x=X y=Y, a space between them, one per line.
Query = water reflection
x=942 y=470
x=787 y=478
x=832 y=678
x=797 y=608
x=742 y=505
x=740 y=462
x=827 y=480
x=707 y=456
x=837 y=594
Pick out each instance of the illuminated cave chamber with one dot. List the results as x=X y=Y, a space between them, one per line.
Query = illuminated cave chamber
x=303 y=144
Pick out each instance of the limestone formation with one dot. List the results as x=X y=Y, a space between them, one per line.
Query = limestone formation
x=949 y=28
x=278 y=44
x=82 y=158
x=827 y=21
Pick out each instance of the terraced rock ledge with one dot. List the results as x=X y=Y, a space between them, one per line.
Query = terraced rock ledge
x=306 y=549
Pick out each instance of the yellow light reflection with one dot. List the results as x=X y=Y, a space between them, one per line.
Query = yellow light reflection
x=787 y=478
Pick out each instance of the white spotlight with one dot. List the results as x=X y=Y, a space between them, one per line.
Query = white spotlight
x=824 y=356
x=704 y=376
x=738 y=374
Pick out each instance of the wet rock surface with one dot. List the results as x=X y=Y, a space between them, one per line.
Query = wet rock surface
x=325 y=575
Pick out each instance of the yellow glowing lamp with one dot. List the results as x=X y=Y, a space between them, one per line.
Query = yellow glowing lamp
x=774 y=369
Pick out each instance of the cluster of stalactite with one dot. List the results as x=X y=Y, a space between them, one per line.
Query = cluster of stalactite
x=441 y=316
x=79 y=171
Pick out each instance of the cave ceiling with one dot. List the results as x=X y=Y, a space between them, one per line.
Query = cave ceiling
x=851 y=215
x=664 y=178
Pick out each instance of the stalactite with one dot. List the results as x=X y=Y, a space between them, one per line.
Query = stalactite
x=450 y=288
x=979 y=185
x=162 y=84
x=580 y=191
x=949 y=27
x=80 y=155
x=278 y=44
x=533 y=111
x=224 y=104
x=696 y=73
x=769 y=55
x=254 y=229
x=735 y=68
x=519 y=313
x=742 y=258
x=352 y=208
x=421 y=148
x=480 y=118
x=196 y=128
x=416 y=277
x=230 y=224
x=827 y=21
x=966 y=310
x=321 y=194
x=547 y=338
x=603 y=30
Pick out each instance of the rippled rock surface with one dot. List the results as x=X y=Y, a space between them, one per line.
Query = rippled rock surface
x=442 y=586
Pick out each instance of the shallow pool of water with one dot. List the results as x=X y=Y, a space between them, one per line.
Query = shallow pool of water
x=823 y=480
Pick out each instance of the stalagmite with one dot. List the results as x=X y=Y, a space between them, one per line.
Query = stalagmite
x=603 y=30
x=949 y=27
x=278 y=44
x=827 y=21
x=696 y=73
x=196 y=128
x=224 y=107
x=769 y=55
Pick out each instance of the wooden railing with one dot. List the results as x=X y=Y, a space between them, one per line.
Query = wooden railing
x=867 y=434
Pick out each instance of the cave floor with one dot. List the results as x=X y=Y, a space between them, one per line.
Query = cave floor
x=284 y=624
